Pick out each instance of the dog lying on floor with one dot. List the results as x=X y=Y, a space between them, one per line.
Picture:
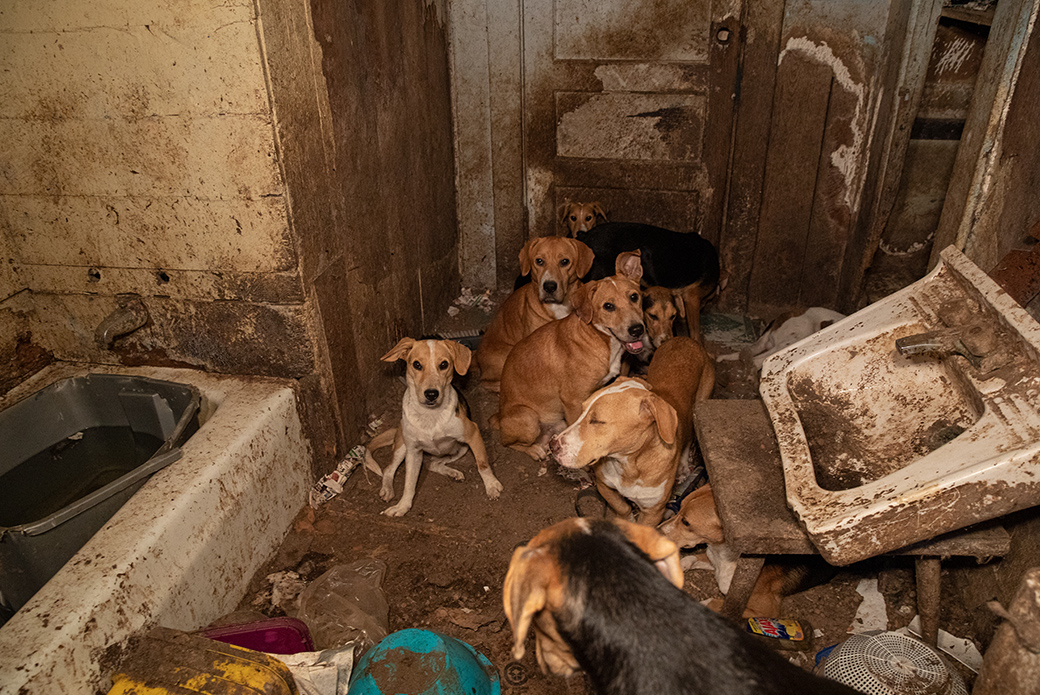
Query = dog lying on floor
x=606 y=597
x=687 y=263
x=434 y=420
x=555 y=266
x=635 y=433
x=581 y=217
x=788 y=329
x=550 y=372
x=698 y=523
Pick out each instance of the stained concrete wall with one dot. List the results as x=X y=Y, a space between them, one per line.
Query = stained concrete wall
x=189 y=154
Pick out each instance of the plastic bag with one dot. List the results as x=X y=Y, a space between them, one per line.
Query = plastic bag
x=346 y=606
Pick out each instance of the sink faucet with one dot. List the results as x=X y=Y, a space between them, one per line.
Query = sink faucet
x=973 y=342
x=127 y=317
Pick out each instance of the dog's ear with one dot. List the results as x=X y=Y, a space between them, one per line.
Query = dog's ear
x=525 y=592
x=628 y=263
x=664 y=415
x=460 y=355
x=581 y=300
x=700 y=505
x=583 y=257
x=598 y=211
x=525 y=257
x=663 y=552
x=679 y=302
x=563 y=210
x=399 y=351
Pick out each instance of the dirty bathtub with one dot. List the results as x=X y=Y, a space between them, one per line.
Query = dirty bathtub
x=181 y=551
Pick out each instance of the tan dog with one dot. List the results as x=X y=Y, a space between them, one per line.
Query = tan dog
x=581 y=217
x=698 y=522
x=536 y=591
x=556 y=266
x=550 y=372
x=434 y=420
x=635 y=433
x=660 y=308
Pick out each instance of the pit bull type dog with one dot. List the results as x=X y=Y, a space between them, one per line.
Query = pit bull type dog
x=634 y=433
x=434 y=420
x=607 y=597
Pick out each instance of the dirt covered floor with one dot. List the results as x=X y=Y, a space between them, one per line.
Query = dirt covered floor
x=447 y=558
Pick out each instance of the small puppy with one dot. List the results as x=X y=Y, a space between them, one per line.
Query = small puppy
x=550 y=372
x=556 y=265
x=635 y=433
x=687 y=263
x=607 y=597
x=581 y=217
x=787 y=330
x=434 y=420
x=698 y=522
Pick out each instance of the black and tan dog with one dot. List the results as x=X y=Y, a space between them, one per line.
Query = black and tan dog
x=606 y=597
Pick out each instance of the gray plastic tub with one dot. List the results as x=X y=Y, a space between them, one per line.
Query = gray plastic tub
x=70 y=456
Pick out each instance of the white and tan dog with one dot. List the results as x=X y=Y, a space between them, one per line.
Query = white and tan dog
x=787 y=330
x=634 y=433
x=434 y=420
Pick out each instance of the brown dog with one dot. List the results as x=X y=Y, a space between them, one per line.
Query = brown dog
x=556 y=265
x=660 y=308
x=434 y=420
x=635 y=433
x=550 y=372
x=698 y=522
x=581 y=217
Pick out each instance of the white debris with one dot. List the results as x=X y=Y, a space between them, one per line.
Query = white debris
x=871 y=614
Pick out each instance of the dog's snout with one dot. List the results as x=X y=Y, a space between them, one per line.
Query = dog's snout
x=636 y=330
x=431 y=395
x=549 y=286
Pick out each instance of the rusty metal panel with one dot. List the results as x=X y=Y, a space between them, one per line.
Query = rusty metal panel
x=675 y=30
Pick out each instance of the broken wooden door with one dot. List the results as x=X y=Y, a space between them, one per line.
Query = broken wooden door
x=629 y=103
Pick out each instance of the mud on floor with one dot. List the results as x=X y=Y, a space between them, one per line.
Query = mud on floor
x=447 y=558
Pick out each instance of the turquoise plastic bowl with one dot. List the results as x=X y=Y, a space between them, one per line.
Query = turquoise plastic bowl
x=423 y=662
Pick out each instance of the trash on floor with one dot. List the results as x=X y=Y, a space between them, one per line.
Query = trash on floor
x=346 y=606
x=332 y=484
x=871 y=614
x=423 y=662
x=321 y=673
x=284 y=588
x=963 y=650
x=271 y=635
x=889 y=663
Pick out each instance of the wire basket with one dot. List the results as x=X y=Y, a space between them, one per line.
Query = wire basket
x=889 y=663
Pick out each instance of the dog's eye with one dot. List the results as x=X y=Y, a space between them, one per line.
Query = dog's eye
x=684 y=521
x=574 y=218
x=444 y=365
x=588 y=217
x=417 y=365
x=652 y=317
x=539 y=261
x=634 y=297
x=609 y=306
x=594 y=421
x=564 y=262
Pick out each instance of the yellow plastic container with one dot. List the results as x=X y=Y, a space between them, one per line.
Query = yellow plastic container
x=170 y=662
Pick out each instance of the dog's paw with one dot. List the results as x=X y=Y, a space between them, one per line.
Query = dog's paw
x=493 y=488
x=397 y=510
x=447 y=470
x=386 y=493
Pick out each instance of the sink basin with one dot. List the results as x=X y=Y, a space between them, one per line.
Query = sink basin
x=881 y=449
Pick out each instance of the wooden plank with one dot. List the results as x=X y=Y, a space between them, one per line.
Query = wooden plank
x=724 y=57
x=800 y=112
x=761 y=26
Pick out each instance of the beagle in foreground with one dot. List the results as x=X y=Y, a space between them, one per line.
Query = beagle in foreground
x=434 y=420
x=635 y=433
x=550 y=372
x=606 y=597
x=698 y=522
x=556 y=265
x=581 y=217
